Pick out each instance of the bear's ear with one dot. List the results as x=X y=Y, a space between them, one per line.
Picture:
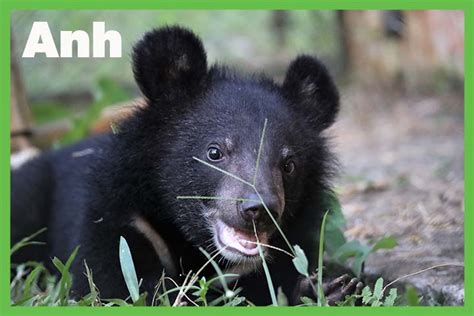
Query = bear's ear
x=311 y=90
x=169 y=63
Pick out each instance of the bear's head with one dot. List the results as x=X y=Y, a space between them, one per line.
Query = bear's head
x=222 y=155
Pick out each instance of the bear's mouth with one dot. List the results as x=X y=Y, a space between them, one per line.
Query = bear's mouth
x=237 y=242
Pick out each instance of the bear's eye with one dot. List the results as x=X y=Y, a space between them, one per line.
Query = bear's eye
x=289 y=166
x=214 y=154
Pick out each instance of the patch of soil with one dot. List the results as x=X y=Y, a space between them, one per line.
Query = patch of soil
x=402 y=162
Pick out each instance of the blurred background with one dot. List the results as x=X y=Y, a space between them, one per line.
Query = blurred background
x=400 y=136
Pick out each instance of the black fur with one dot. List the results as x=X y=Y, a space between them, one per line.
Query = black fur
x=169 y=63
x=309 y=85
x=91 y=200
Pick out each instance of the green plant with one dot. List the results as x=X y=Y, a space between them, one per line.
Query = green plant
x=128 y=270
x=359 y=252
x=47 y=112
x=27 y=241
x=373 y=297
x=32 y=276
x=33 y=285
x=108 y=92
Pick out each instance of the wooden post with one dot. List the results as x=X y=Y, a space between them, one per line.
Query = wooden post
x=20 y=115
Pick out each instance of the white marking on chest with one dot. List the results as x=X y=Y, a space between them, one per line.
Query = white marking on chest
x=82 y=153
x=17 y=160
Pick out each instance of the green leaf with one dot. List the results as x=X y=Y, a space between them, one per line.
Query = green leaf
x=65 y=282
x=350 y=249
x=335 y=225
x=300 y=261
x=307 y=301
x=141 y=300
x=218 y=270
x=366 y=295
x=26 y=302
x=349 y=300
x=353 y=249
x=281 y=297
x=58 y=264
x=334 y=239
x=32 y=277
x=202 y=292
x=385 y=243
x=391 y=297
x=87 y=300
x=71 y=258
x=117 y=301
x=378 y=289
x=128 y=269
x=336 y=217
x=412 y=297
x=202 y=282
x=358 y=262
x=376 y=303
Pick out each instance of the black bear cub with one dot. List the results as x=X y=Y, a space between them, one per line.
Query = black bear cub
x=191 y=170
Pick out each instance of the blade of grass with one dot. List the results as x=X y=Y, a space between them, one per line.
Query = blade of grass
x=117 y=301
x=224 y=275
x=421 y=271
x=223 y=171
x=30 y=280
x=27 y=241
x=30 y=301
x=128 y=269
x=272 y=247
x=94 y=294
x=141 y=300
x=321 y=297
x=221 y=298
x=271 y=288
x=175 y=289
x=198 y=197
x=260 y=149
x=182 y=289
x=196 y=276
x=228 y=293
x=275 y=222
x=156 y=293
x=65 y=282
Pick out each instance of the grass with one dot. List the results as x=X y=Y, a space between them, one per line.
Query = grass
x=107 y=92
x=27 y=241
x=50 y=112
x=33 y=285
x=320 y=292
x=271 y=288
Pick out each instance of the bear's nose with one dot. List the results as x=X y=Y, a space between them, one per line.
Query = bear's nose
x=252 y=209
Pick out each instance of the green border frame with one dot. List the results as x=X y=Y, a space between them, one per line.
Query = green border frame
x=8 y=6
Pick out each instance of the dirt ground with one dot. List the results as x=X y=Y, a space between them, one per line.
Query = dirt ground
x=402 y=162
